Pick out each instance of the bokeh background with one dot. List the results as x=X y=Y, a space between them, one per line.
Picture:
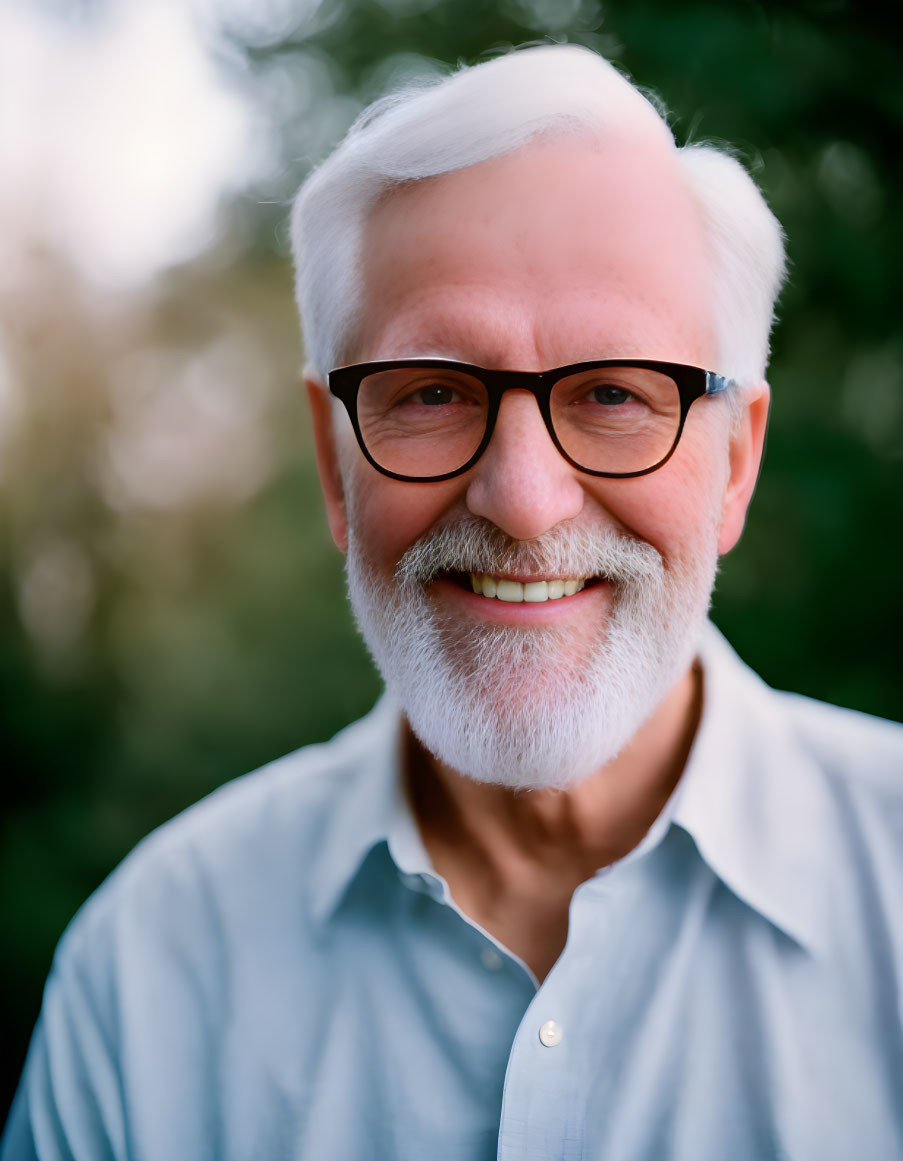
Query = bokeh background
x=171 y=609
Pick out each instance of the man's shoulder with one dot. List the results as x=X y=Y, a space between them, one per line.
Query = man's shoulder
x=253 y=842
x=851 y=763
x=859 y=760
x=799 y=806
x=855 y=752
x=856 y=825
x=199 y=942
x=861 y=751
x=819 y=787
x=854 y=762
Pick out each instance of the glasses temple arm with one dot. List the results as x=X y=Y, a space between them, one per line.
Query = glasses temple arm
x=715 y=384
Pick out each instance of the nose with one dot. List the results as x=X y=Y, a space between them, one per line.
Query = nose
x=521 y=482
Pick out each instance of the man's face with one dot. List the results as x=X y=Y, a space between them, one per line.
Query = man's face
x=561 y=252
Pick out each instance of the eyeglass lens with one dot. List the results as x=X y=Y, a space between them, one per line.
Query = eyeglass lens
x=419 y=421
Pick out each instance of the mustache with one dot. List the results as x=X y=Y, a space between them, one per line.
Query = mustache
x=473 y=544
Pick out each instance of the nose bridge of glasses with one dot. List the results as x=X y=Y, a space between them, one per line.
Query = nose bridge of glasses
x=533 y=382
x=520 y=408
x=522 y=484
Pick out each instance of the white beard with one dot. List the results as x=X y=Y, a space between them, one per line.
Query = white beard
x=541 y=707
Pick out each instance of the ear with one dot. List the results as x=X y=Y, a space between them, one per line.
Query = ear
x=328 y=461
x=747 y=447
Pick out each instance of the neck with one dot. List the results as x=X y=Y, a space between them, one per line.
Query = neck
x=501 y=849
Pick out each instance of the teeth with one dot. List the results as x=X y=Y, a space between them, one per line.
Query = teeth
x=508 y=590
x=533 y=592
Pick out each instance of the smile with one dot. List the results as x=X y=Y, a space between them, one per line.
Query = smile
x=527 y=592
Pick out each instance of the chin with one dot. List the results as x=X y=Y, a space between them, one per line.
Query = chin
x=535 y=708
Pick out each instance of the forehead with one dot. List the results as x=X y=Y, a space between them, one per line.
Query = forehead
x=563 y=250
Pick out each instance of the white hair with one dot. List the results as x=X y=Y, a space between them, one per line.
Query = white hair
x=494 y=108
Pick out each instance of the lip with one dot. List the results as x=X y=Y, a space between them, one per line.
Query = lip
x=525 y=578
x=594 y=599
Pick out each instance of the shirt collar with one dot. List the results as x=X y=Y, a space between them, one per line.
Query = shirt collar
x=371 y=808
x=750 y=797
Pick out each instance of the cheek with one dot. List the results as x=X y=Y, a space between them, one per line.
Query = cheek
x=389 y=515
x=679 y=507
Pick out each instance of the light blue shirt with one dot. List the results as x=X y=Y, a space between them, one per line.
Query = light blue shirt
x=278 y=973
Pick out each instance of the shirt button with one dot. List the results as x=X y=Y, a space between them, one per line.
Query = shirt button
x=491 y=960
x=550 y=1034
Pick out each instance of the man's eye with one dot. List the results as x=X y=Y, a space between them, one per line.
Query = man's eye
x=609 y=395
x=435 y=395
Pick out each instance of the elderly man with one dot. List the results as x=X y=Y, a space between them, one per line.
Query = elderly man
x=581 y=886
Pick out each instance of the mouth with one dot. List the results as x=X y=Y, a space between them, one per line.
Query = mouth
x=515 y=592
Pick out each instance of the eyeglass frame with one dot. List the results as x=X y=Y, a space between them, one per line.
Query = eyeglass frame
x=692 y=383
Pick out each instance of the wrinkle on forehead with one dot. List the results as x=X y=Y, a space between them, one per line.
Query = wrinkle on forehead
x=485 y=329
x=542 y=236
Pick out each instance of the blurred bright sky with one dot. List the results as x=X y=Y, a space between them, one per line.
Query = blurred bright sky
x=125 y=128
x=119 y=135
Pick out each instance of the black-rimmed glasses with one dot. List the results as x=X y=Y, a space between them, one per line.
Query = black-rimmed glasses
x=431 y=419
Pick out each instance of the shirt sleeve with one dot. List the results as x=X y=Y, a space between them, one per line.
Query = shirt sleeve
x=68 y=1106
x=125 y=1059
x=18 y=1140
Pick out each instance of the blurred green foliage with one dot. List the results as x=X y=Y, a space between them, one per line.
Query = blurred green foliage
x=150 y=652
